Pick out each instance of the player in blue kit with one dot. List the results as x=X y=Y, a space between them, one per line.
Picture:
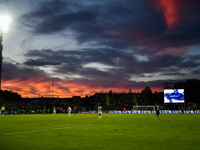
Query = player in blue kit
x=182 y=111
x=157 y=108
x=74 y=110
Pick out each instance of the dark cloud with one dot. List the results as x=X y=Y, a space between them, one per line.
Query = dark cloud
x=55 y=16
x=122 y=64
x=119 y=20
x=21 y=72
x=196 y=72
x=118 y=24
x=39 y=62
x=157 y=83
x=188 y=64
x=62 y=21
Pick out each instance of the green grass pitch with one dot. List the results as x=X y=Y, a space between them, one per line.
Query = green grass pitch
x=112 y=132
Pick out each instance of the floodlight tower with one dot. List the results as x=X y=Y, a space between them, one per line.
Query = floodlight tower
x=3 y=29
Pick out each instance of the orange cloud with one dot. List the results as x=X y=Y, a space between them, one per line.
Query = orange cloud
x=169 y=9
x=37 y=88
x=173 y=10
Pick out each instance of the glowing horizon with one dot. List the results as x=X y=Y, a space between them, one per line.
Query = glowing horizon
x=45 y=89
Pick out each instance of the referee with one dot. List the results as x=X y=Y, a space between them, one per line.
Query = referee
x=45 y=110
x=157 y=111
x=2 y=110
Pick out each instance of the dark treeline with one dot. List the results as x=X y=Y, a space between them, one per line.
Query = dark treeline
x=192 y=90
x=10 y=95
x=153 y=98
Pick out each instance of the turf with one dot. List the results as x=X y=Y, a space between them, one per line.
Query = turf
x=112 y=132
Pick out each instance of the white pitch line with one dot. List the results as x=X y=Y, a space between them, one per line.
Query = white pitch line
x=46 y=130
x=114 y=115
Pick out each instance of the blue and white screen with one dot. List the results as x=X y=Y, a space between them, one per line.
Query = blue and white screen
x=174 y=96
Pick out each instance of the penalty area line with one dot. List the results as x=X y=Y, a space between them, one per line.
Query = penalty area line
x=34 y=131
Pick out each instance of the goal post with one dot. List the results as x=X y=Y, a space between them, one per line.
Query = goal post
x=147 y=108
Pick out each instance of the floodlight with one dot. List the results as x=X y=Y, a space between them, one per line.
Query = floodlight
x=3 y=29
x=4 y=23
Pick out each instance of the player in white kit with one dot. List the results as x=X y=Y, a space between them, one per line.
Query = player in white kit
x=69 y=111
x=99 y=111
x=54 y=111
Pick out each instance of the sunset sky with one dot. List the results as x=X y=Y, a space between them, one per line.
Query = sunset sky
x=89 y=46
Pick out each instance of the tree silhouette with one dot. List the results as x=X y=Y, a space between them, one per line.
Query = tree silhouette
x=147 y=92
x=10 y=95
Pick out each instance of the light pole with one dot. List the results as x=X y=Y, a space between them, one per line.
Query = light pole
x=3 y=29
x=1 y=48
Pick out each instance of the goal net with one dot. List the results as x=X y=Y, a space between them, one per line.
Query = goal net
x=147 y=108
